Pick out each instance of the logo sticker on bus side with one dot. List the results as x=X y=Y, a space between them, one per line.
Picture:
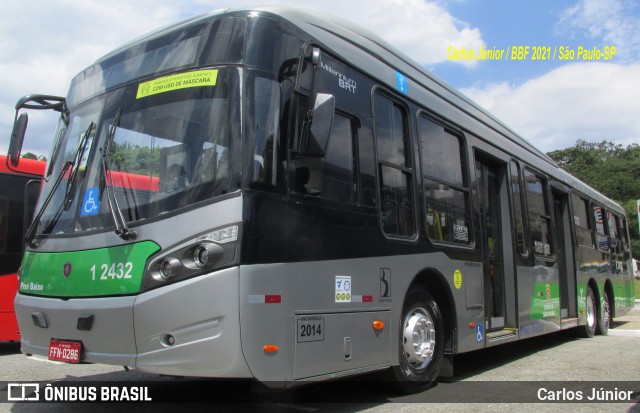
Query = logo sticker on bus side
x=457 y=279
x=401 y=83
x=343 y=288
x=186 y=80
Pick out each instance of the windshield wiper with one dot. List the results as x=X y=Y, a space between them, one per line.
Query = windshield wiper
x=31 y=232
x=71 y=185
x=72 y=182
x=106 y=181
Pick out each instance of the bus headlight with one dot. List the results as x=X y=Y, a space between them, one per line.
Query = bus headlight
x=168 y=267
x=209 y=251
x=201 y=255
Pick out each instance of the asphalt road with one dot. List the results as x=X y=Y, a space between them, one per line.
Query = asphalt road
x=492 y=380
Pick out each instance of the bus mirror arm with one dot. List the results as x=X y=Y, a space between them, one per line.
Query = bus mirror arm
x=42 y=102
x=38 y=102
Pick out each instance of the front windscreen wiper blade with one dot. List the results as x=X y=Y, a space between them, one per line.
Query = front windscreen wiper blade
x=106 y=180
x=31 y=232
x=80 y=153
x=71 y=185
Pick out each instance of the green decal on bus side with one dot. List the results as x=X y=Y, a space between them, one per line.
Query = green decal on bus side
x=545 y=302
x=582 y=299
x=91 y=273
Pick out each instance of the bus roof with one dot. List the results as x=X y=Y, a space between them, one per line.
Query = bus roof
x=359 y=46
x=26 y=166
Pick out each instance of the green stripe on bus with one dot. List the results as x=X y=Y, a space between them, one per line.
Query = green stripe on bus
x=91 y=273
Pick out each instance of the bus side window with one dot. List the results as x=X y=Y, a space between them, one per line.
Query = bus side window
x=264 y=163
x=339 y=165
x=614 y=243
x=599 y=218
x=397 y=214
x=445 y=185
x=581 y=220
x=331 y=177
x=622 y=233
x=539 y=214
x=516 y=194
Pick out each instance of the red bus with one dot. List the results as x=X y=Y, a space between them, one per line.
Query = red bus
x=19 y=189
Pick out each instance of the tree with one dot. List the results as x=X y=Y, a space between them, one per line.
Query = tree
x=30 y=155
x=607 y=167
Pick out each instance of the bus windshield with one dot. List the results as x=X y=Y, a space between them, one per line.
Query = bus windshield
x=174 y=144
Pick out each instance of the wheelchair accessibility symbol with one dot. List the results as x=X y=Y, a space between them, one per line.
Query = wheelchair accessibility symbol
x=91 y=203
x=479 y=333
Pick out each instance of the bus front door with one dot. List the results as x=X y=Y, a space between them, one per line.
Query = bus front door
x=566 y=261
x=497 y=253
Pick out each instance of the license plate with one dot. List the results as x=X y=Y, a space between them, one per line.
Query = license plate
x=64 y=350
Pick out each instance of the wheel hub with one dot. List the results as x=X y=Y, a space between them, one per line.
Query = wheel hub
x=591 y=312
x=605 y=313
x=419 y=338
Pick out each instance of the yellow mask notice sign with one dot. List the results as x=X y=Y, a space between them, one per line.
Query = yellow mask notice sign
x=185 y=80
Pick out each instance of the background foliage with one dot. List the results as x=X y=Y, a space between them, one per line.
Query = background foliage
x=611 y=169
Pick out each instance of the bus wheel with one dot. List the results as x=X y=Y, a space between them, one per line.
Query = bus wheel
x=588 y=330
x=604 y=320
x=421 y=343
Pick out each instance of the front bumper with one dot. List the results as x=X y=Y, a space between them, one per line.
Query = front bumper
x=190 y=328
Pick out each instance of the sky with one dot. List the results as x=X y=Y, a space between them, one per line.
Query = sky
x=586 y=87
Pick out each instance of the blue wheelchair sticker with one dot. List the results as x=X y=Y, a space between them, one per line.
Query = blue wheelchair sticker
x=479 y=333
x=91 y=202
x=401 y=82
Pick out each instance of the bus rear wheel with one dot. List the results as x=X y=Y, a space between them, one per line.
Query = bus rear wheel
x=588 y=330
x=604 y=320
x=421 y=343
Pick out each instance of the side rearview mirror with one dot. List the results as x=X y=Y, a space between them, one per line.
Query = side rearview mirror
x=321 y=118
x=17 y=138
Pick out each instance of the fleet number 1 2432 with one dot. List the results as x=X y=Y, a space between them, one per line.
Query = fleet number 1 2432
x=116 y=270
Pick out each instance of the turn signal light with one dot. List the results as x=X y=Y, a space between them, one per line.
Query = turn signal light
x=270 y=348
x=472 y=325
x=378 y=325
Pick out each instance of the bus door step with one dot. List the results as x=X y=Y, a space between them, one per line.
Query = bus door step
x=568 y=323
x=501 y=335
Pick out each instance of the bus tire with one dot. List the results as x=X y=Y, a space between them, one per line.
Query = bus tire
x=604 y=318
x=589 y=329
x=421 y=343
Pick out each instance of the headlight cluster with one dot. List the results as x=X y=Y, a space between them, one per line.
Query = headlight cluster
x=207 y=252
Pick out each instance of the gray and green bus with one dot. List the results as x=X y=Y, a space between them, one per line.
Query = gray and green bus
x=280 y=195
